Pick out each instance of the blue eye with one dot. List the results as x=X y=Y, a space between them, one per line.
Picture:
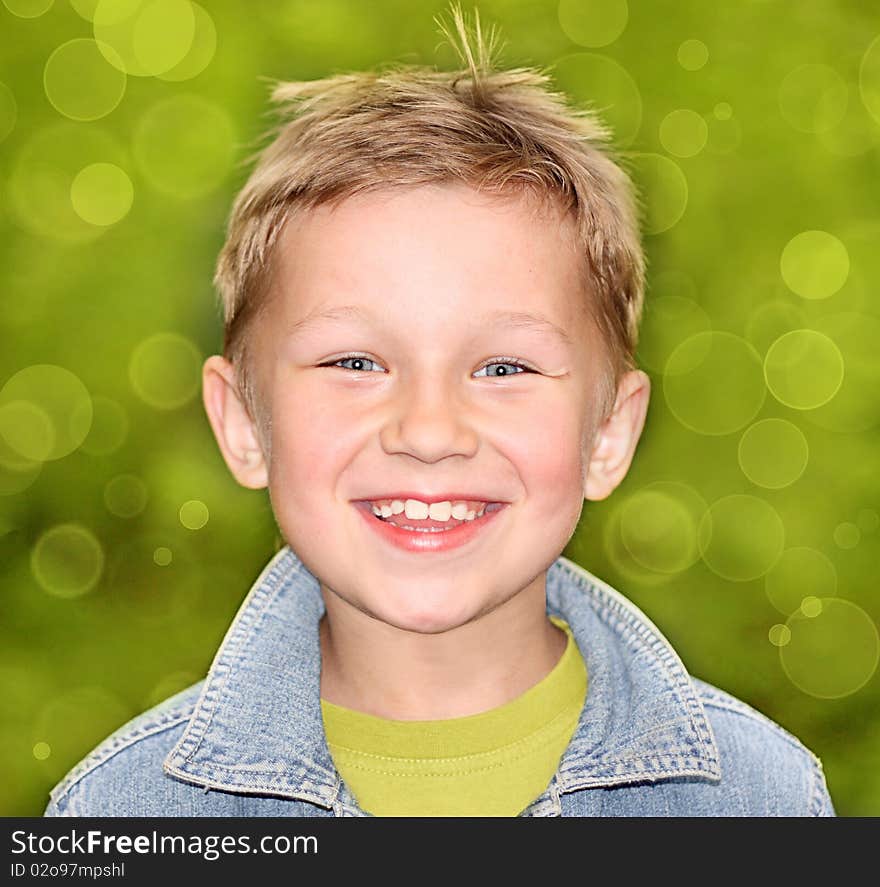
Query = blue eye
x=507 y=367
x=357 y=363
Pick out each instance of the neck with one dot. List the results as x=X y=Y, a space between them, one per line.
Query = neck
x=373 y=667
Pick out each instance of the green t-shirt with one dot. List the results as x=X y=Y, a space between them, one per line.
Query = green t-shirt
x=494 y=763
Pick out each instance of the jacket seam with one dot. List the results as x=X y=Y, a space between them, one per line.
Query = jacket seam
x=636 y=625
x=630 y=779
x=258 y=791
x=103 y=755
x=818 y=787
x=211 y=778
x=754 y=715
x=265 y=590
x=636 y=628
x=817 y=798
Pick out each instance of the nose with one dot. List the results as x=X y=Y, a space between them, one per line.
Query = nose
x=429 y=421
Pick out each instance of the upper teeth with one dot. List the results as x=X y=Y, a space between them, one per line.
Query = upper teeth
x=418 y=510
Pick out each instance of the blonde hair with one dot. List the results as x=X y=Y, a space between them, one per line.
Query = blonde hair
x=502 y=131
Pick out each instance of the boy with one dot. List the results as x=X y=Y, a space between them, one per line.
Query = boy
x=432 y=285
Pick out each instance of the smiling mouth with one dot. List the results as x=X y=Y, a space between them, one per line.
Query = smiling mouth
x=417 y=517
x=430 y=526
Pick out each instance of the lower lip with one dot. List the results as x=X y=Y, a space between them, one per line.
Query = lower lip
x=411 y=540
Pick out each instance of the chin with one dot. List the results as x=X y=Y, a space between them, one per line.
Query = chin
x=425 y=616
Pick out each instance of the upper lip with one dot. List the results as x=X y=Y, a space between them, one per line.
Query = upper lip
x=431 y=498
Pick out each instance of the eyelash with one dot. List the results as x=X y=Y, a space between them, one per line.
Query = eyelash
x=504 y=361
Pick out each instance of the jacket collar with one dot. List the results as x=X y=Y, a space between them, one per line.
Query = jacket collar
x=257 y=726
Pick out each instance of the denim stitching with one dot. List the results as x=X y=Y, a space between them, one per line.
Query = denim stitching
x=280 y=792
x=655 y=774
x=275 y=785
x=251 y=611
x=714 y=698
x=277 y=577
x=640 y=634
x=819 y=790
x=115 y=744
x=635 y=625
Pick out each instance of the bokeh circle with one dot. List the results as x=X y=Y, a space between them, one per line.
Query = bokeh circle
x=665 y=190
x=45 y=412
x=713 y=383
x=28 y=8
x=150 y=592
x=80 y=83
x=813 y=98
x=204 y=45
x=67 y=560
x=741 y=537
x=147 y=37
x=847 y=535
x=101 y=194
x=194 y=514
x=43 y=173
x=108 y=428
x=800 y=572
x=779 y=635
x=692 y=54
x=773 y=453
x=593 y=23
x=804 y=369
x=832 y=653
x=605 y=86
x=184 y=145
x=126 y=495
x=683 y=132
x=814 y=264
x=855 y=406
x=165 y=370
x=666 y=323
x=769 y=320
x=869 y=78
x=658 y=526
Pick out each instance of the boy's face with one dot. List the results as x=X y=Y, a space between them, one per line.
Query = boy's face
x=438 y=293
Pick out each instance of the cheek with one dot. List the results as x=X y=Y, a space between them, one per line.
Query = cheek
x=548 y=449
x=313 y=433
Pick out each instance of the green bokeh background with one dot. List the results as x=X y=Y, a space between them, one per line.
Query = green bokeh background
x=747 y=528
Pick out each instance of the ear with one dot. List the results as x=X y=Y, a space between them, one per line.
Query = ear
x=615 y=441
x=233 y=427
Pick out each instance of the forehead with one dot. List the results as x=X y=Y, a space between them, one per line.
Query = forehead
x=436 y=253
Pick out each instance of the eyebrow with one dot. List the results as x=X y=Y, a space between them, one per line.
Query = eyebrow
x=521 y=319
x=535 y=322
x=340 y=312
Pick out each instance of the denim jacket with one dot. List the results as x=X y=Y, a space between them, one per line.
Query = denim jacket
x=249 y=739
